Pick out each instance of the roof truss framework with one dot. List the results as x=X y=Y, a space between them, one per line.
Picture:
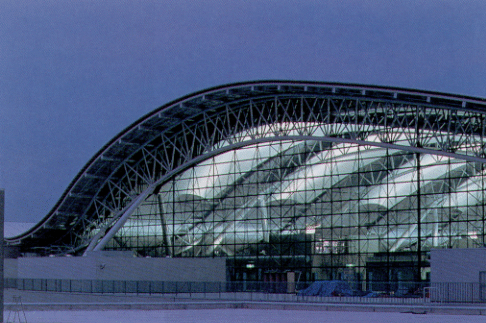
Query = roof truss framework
x=188 y=131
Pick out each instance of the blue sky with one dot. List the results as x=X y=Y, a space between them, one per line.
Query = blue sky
x=76 y=73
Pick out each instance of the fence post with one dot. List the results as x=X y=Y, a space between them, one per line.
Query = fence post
x=471 y=292
x=2 y=216
x=447 y=289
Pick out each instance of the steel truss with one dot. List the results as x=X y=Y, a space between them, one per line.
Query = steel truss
x=136 y=163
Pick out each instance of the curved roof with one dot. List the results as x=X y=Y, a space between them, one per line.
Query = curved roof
x=99 y=177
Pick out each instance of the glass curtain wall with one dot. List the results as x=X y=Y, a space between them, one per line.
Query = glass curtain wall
x=321 y=210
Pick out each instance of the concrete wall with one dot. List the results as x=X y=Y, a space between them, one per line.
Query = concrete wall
x=99 y=267
x=10 y=268
x=457 y=265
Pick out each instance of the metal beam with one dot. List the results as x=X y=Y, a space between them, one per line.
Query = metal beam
x=117 y=222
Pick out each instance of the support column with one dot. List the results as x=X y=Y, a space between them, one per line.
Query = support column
x=99 y=241
x=2 y=217
x=262 y=206
x=123 y=218
x=419 y=220
x=163 y=225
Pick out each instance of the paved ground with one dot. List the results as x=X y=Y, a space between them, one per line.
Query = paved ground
x=240 y=316
x=31 y=297
x=70 y=308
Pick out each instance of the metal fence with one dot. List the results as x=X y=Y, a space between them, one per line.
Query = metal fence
x=456 y=293
x=384 y=292
x=150 y=287
x=115 y=286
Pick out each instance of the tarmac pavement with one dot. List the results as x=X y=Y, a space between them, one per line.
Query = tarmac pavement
x=120 y=308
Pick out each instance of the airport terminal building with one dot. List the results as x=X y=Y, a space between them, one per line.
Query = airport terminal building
x=324 y=180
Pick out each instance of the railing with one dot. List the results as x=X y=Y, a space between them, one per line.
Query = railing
x=114 y=286
x=457 y=293
x=383 y=292
x=150 y=287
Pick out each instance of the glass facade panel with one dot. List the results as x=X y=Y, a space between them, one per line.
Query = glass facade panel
x=340 y=211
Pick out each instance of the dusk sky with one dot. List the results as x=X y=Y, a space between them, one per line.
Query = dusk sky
x=73 y=74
